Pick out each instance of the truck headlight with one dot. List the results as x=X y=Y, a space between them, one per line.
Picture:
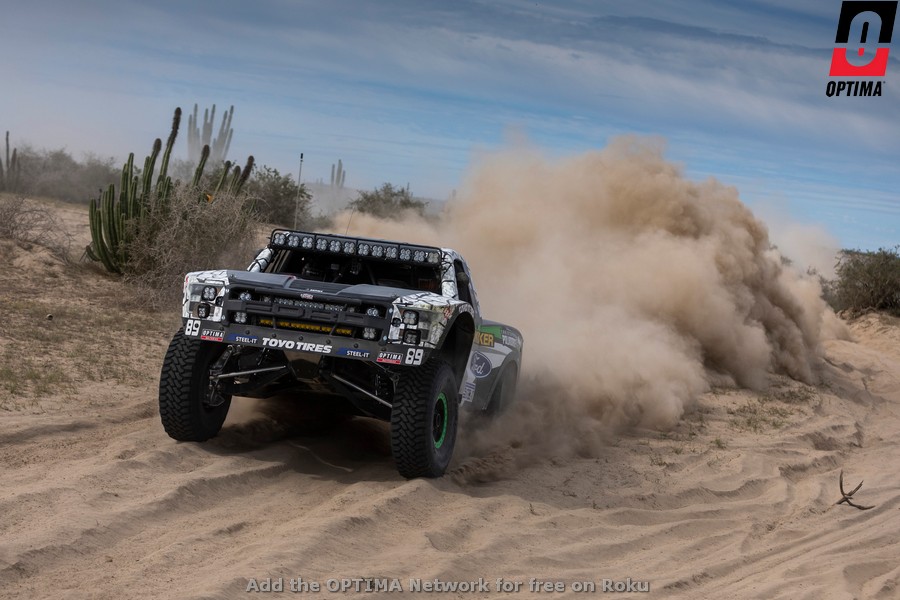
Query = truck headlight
x=240 y=317
x=410 y=317
x=209 y=293
x=370 y=333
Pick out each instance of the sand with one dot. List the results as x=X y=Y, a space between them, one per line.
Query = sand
x=738 y=501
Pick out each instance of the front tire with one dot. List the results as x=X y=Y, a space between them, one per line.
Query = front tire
x=423 y=420
x=190 y=408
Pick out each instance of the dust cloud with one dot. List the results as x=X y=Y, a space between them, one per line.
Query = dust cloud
x=634 y=288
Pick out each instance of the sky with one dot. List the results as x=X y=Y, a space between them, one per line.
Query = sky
x=413 y=91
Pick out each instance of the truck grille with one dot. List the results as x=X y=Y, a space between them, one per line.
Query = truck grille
x=309 y=314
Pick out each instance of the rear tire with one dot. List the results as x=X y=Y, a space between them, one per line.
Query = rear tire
x=423 y=420
x=504 y=393
x=189 y=410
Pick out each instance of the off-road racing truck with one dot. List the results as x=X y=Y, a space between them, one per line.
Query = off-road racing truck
x=391 y=330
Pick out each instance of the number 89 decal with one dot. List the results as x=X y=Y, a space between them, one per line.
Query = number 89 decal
x=192 y=328
x=414 y=356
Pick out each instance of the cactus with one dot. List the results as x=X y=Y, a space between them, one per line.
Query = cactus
x=233 y=177
x=204 y=156
x=115 y=219
x=237 y=184
x=338 y=175
x=9 y=174
x=197 y=138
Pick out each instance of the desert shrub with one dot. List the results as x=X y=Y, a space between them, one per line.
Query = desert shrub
x=319 y=222
x=866 y=280
x=388 y=201
x=183 y=170
x=279 y=198
x=192 y=235
x=27 y=222
x=55 y=174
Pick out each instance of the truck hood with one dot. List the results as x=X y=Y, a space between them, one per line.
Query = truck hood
x=290 y=282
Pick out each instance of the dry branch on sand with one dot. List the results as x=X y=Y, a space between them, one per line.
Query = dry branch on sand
x=846 y=496
x=28 y=222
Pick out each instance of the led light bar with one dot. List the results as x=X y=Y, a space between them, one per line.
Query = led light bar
x=310 y=327
x=339 y=244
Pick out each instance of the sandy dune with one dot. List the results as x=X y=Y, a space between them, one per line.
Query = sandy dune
x=737 y=502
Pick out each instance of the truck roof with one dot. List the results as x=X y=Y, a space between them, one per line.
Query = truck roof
x=388 y=250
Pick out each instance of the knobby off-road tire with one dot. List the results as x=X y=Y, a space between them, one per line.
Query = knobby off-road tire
x=423 y=420
x=184 y=404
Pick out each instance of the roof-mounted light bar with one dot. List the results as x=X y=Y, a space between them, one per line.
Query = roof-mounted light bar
x=339 y=244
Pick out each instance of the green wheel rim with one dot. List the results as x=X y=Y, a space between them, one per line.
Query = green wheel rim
x=439 y=422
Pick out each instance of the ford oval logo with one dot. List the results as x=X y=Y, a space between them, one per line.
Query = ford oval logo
x=481 y=365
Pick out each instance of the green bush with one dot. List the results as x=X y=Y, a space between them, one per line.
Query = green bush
x=279 y=200
x=388 y=201
x=866 y=280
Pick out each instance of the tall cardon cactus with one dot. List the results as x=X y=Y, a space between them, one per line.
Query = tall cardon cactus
x=338 y=174
x=116 y=217
x=9 y=173
x=198 y=138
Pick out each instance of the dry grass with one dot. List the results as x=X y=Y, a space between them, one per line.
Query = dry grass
x=758 y=415
x=192 y=235
x=66 y=328
x=69 y=327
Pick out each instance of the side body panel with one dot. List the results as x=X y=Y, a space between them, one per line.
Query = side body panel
x=496 y=347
